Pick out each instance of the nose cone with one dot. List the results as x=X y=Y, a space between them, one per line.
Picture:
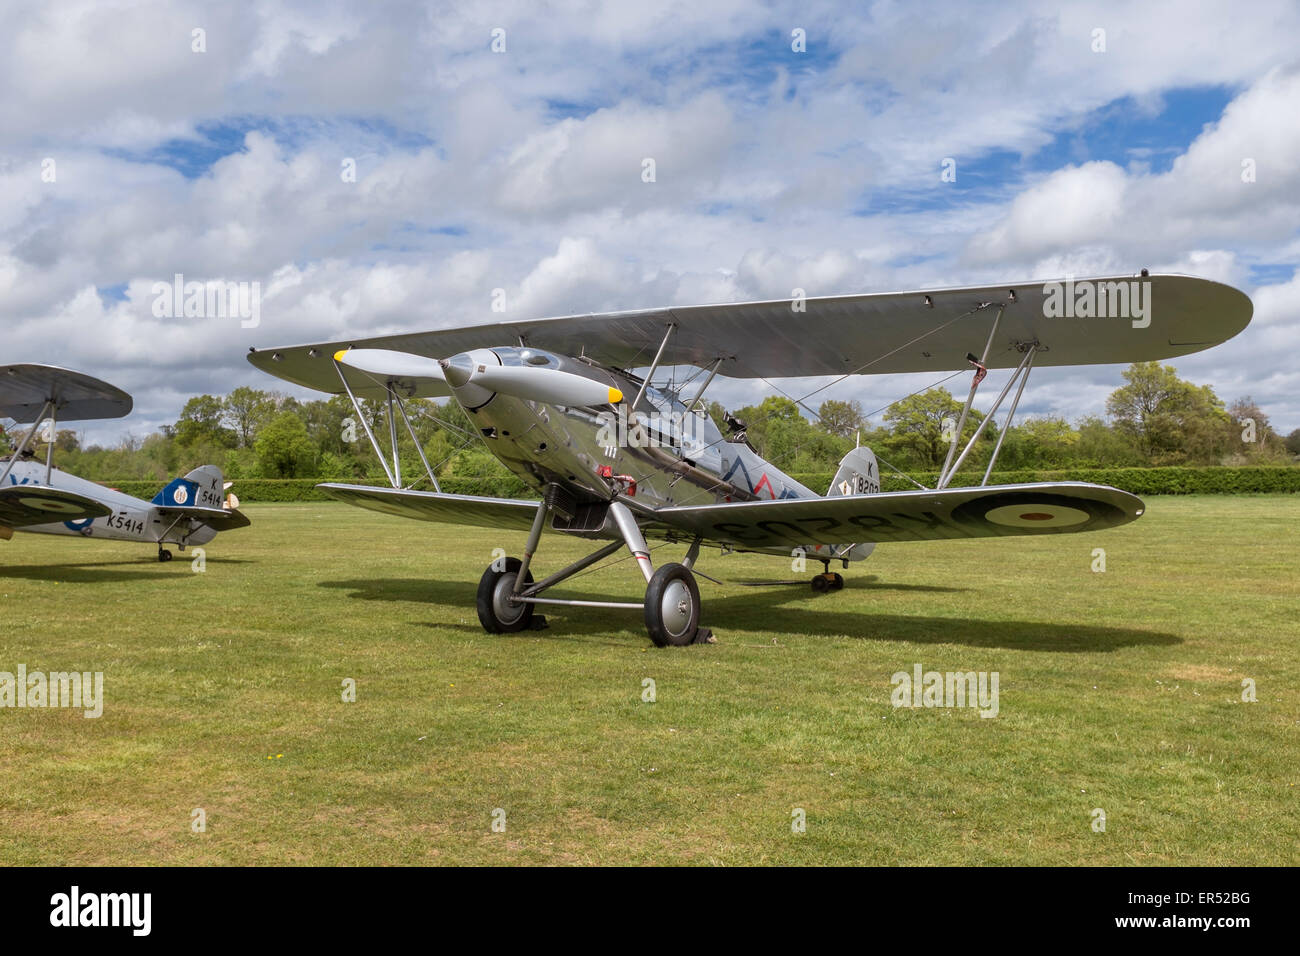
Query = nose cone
x=457 y=369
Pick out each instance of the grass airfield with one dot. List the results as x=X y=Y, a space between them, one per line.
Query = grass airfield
x=223 y=691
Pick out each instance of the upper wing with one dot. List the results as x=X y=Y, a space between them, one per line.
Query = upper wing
x=24 y=505
x=24 y=390
x=507 y=513
x=919 y=331
x=993 y=511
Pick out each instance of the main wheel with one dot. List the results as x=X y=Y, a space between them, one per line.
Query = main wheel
x=164 y=554
x=672 y=606
x=820 y=584
x=496 y=612
x=837 y=582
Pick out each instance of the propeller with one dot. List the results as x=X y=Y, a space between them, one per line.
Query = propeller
x=482 y=369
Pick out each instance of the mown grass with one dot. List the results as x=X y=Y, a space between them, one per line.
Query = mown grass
x=1119 y=690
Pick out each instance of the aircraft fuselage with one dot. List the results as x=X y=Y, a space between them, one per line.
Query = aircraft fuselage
x=133 y=519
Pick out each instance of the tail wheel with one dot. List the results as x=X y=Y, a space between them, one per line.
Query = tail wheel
x=496 y=612
x=672 y=606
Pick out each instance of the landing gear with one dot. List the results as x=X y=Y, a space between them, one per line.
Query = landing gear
x=164 y=554
x=672 y=606
x=498 y=610
x=827 y=580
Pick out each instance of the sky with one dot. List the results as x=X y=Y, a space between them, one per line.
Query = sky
x=385 y=167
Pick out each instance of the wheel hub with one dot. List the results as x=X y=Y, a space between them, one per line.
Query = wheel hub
x=507 y=610
x=676 y=607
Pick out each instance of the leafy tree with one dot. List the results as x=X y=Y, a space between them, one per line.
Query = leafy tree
x=840 y=418
x=1100 y=446
x=284 y=449
x=1250 y=432
x=1293 y=442
x=921 y=426
x=1172 y=421
x=201 y=420
x=246 y=410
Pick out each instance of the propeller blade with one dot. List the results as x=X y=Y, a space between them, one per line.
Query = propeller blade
x=532 y=382
x=540 y=384
x=388 y=363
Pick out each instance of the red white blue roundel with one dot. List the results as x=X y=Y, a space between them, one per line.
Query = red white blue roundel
x=1036 y=516
x=1029 y=512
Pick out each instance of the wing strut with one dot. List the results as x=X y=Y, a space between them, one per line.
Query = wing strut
x=401 y=407
x=1006 y=426
x=980 y=371
x=654 y=366
x=1022 y=367
x=394 y=472
x=31 y=432
x=707 y=382
x=49 y=448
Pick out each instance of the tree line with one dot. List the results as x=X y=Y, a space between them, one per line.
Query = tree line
x=1154 y=419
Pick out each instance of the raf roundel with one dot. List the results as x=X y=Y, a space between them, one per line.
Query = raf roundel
x=1036 y=516
x=48 y=504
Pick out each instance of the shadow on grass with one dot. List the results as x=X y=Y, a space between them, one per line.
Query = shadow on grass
x=762 y=611
x=869 y=583
x=106 y=572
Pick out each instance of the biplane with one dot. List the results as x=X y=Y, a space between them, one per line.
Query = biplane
x=618 y=456
x=37 y=497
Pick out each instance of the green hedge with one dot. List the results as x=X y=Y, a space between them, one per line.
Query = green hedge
x=1139 y=481
x=304 y=489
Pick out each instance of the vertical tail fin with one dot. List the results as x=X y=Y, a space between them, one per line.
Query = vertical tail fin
x=858 y=474
x=203 y=488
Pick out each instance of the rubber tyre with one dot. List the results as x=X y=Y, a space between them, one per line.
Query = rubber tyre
x=672 y=606
x=820 y=584
x=837 y=583
x=164 y=555
x=494 y=614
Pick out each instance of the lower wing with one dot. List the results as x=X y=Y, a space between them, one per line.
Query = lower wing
x=509 y=513
x=988 y=512
x=24 y=505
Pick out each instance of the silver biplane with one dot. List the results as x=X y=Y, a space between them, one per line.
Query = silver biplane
x=37 y=497
x=616 y=458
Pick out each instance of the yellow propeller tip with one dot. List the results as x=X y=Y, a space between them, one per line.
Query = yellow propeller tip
x=338 y=356
x=615 y=396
